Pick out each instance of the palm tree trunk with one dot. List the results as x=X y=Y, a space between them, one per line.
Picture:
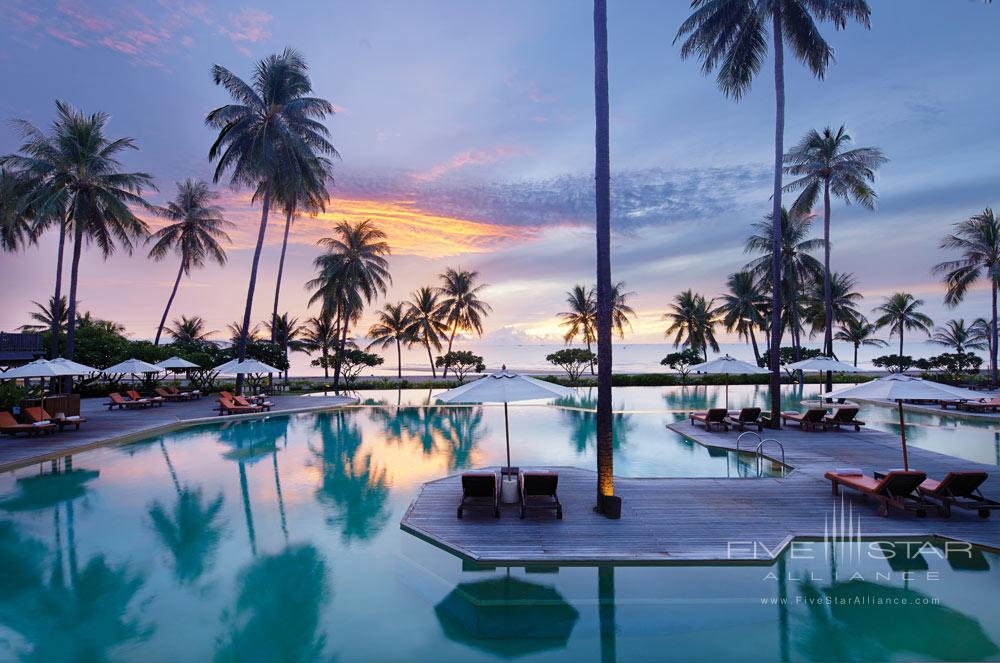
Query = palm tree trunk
x=827 y=285
x=345 y=317
x=74 y=278
x=602 y=176
x=753 y=342
x=54 y=327
x=248 y=310
x=779 y=151
x=326 y=364
x=399 y=360
x=451 y=339
x=430 y=358
x=901 y=341
x=592 y=371
x=170 y=301
x=855 y=355
x=993 y=336
x=289 y=213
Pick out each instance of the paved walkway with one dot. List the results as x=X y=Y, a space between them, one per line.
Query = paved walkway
x=118 y=426
x=687 y=520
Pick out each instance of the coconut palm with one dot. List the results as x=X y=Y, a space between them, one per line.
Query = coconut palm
x=17 y=216
x=692 y=320
x=982 y=332
x=82 y=182
x=52 y=314
x=274 y=127
x=427 y=323
x=189 y=330
x=580 y=320
x=285 y=332
x=731 y=36
x=461 y=306
x=621 y=310
x=824 y=165
x=955 y=334
x=858 y=331
x=237 y=331
x=900 y=312
x=353 y=271
x=319 y=334
x=393 y=326
x=977 y=239
x=197 y=227
x=741 y=307
x=844 y=299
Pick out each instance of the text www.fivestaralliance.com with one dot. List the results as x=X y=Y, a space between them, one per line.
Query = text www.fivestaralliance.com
x=848 y=601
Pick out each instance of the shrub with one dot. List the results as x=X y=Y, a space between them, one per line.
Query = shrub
x=572 y=360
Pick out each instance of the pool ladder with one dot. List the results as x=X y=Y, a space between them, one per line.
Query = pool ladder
x=758 y=450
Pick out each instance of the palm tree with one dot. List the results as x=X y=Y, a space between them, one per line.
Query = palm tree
x=621 y=310
x=843 y=297
x=858 y=331
x=461 y=306
x=189 y=330
x=273 y=127
x=580 y=319
x=284 y=332
x=353 y=272
x=83 y=182
x=692 y=321
x=978 y=240
x=237 y=331
x=900 y=311
x=982 y=332
x=955 y=334
x=320 y=335
x=824 y=165
x=732 y=35
x=52 y=314
x=741 y=308
x=427 y=323
x=195 y=233
x=17 y=215
x=393 y=326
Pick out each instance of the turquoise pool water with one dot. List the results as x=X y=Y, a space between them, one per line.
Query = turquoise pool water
x=278 y=540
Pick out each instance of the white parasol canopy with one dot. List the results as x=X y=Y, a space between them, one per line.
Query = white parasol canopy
x=40 y=368
x=134 y=366
x=823 y=363
x=245 y=367
x=74 y=367
x=504 y=387
x=175 y=363
x=727 y=365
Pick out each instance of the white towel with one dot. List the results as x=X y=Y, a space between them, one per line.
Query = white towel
x=848 y=472
x=74 y=417
x=41 y=423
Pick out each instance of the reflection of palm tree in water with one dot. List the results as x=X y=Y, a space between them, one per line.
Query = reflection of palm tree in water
x=352 y=487
x=457 y=429
x=581 y=413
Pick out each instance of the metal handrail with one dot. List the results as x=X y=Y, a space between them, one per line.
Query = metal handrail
x=760 y=456
x=749 y=432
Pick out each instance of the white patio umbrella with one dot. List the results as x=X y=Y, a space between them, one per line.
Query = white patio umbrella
x=74 y=367
x=504 y=387
x=822 y=363
x=133 y=366
x=176 y=364
x=245 y=367
x=45 y=368
x=899 y=388
x=726 y=365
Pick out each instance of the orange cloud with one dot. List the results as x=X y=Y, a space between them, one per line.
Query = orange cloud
x=473 y=158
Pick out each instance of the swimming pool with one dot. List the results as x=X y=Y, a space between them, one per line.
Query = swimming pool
x=278 y=539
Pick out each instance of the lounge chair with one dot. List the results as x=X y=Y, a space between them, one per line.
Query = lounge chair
x=538 y=491
x=194 y=394
x=480 y=489
x=37 y=414
x=136 y=396
x=956 y=403
x=116 y=400
x=716 y=416
x=812 y=419
x=748 y=416
x=10 y=426
x=260 y=404
x=981 y=406
x=959 y=489
x=843 y=416
x=227 y=406
x=169 y=395
x=896 y=489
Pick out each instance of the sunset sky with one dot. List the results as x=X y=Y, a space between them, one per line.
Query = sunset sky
x=466 y=131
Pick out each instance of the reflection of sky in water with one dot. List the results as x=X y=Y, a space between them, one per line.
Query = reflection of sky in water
x=279 y=540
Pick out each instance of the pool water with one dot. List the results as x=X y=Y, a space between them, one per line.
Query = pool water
x=279 y=540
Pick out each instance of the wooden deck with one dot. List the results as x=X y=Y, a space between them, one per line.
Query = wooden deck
x=701 y=520
x=120 y=426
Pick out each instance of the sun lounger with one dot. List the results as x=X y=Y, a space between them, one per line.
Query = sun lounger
x=748 y=416
x=991 y=405
x=957 y=403
x=10 y=426
x=843 y=416
x=136 y=396
x=169 y=395
x=480 y=490
x=227 y=406
x=37 y=415
x=960 y=489
x=538 y=491
x=260 y=404
x=714 y=417
x=812 y=419
x=194 y=394
x=117 y=400
x=896 y=489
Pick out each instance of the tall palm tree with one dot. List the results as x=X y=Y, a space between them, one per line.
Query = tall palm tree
x=858 y=331
x=621 y=310
x=52 y=314
x=978 y=240
x=285 y=332
x=692 y=319
x=273 y=127
x=190 y=330
x=843 y=297
x=83 y=183
x=427 y=323
x=900 y=312
x=982 y=332
x=955 y=334
x=731 y=35
x=741 y=308
x=798 y=267
x=393 y=326
x=320 y=334
x=461 y=306
x=17 y=214
x=352 y=272
x=824 y=165
x=197 y=227
x=237 y=331
x=580 y=320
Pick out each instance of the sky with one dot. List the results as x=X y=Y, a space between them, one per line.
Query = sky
x=466 y=132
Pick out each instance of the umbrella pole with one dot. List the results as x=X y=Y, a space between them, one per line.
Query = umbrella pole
x=902 y=432
x=506 y=426
x=727 y=392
